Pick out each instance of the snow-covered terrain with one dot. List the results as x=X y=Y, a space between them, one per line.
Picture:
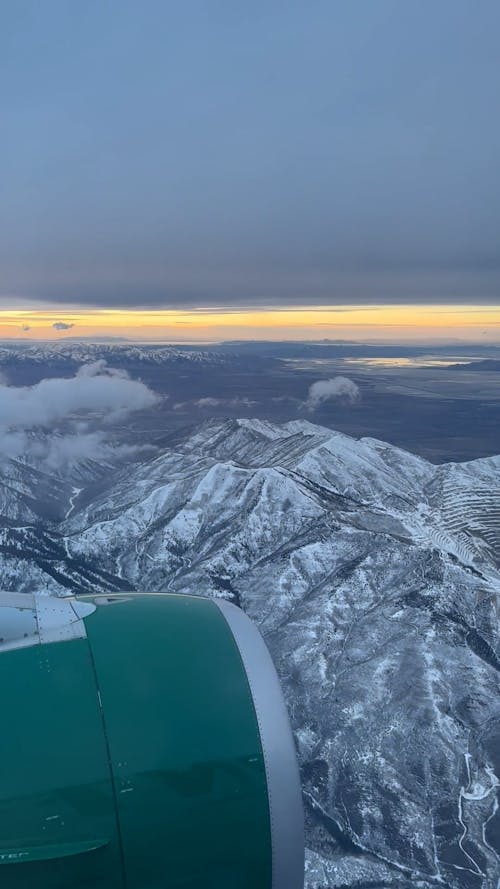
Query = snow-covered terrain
x=78 y=353
x=374 y=576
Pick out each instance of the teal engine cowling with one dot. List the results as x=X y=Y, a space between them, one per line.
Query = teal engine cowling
x=144 y=744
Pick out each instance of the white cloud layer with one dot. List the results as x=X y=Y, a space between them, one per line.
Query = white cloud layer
x=96 y=392
x=336 y=389
x=209 y=402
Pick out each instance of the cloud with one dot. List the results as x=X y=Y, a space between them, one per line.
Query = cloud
x=25 y=328
x=222 y=402
x=100 y=368
x=13 y=444
x=207 y=402
x=58 y=451
x=53 y=400
x=246 y=402
x=54 y=408
x=336 y=389
x=62 y=325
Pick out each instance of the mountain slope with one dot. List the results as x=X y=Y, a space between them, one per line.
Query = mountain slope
x=374 y=577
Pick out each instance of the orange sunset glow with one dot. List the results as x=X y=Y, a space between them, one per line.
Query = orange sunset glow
x=383 y=322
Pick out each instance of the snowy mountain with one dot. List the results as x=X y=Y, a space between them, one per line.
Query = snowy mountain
x=374 y=576
x=75 y=354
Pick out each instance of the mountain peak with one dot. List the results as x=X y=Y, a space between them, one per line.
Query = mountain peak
x=374 y=576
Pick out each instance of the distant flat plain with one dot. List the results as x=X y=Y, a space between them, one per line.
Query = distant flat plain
x=439 y=412
x=442 y=404
x=425 y=405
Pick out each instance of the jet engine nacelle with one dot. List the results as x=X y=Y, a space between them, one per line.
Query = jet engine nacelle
x=144 y=744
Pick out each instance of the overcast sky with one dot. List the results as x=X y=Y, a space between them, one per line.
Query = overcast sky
x=225 y=152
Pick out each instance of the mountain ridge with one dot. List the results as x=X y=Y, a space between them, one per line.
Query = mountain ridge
x=374 y=577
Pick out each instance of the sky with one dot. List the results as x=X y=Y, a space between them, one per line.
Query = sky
x=369 y=323
x=249 y=165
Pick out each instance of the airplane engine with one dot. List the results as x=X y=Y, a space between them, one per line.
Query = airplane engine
x=144 y=744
